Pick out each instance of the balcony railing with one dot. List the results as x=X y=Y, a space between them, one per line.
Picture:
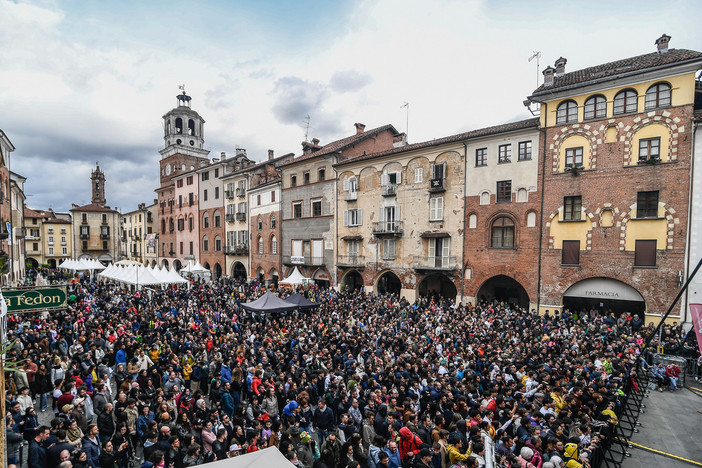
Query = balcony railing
x=389 y=190
x=230 y=217
x=104 y=236
x=434 y=263
x=240 y=192
x=302 y=260
x=385 y=228
x=350 y=260
x=437 y=185
x=229 y=194
x=84 y=236
x=351 y=196
x=241 y=216
x=242 y=249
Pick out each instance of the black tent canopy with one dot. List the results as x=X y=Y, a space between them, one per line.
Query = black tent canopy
x=269 y=302
x=301 y=302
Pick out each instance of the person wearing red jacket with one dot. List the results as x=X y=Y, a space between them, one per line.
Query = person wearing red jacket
x=408 y=444
x=673 y=373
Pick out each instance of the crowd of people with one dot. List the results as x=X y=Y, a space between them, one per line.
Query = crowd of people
x=184 y=376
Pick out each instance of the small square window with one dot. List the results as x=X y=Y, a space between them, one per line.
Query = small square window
x=647 y=204
x=524 y=150
x=574 y=157
x=649 y=149
x=481 y=157
x=572 y=208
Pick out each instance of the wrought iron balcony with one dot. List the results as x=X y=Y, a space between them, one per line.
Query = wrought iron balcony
x=230 y=217
x=388 y=228
x=229 y=194
x=240 y=192
x=303 y=260
x=241 y=216
x=241 y=249
x=84 y=236
x=350 y=260
x=104 y=235
x=434 y=263
x=389 y=190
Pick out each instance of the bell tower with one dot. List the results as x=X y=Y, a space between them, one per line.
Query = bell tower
x=98 y=181
x=182 y=126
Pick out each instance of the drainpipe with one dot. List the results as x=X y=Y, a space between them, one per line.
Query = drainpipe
x=543 y=112
x=683 y=315
x=463 y=246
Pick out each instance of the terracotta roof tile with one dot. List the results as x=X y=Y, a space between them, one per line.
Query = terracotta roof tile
x=612 y=70
x=93 y=207
x=509 y=127
x=343 y=143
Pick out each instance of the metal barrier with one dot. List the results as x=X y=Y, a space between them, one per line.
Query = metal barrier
x=670 y=359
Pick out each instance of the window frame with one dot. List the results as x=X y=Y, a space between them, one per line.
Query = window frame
x=567 y=112
x=321 y=174
x=436 y=209
x=306 y=178
x=524 y=150
x=657 y=104
x=295 y=205
x=570 y=256
x=649 y=210
x=502 y=195
x=625 y=96
x=313 y=203
x=596 y=110
x=481 y=157
x=648 y=148
x=503 y=224
x=504 y=154
x=643 y=251
x=572 y=208
x=573 y=154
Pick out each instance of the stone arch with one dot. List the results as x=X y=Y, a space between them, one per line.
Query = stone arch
x=607 y=207
x=503 y=214
x=590 y=217
x=368 y=179
x=671 y=219
x=660 y=117
x=485 y=197
x=416 y=163
x=584 y=130
x=387 y=281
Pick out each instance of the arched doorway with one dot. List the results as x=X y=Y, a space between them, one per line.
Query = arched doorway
x=273 y=277
x=207 y=266
x=352 y=280
x=164 y=263
x=437 y=285
x=321 y=278
x=389 y=283
x=52 y=263
x=238 y=271
x=260 y=275
x=604 y=295
x=217 y=273
x=177 y=265
x=502 y=288
x=105 y=258
x=31 y=262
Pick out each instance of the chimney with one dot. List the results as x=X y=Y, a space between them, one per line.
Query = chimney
x=560 y=66
x=223 y=155
x=399 y=140
x=548 y=76
x=359 y=128
x=662 y=43
x=270 y=155
x=315 y=141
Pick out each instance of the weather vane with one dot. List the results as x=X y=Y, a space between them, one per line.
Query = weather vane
x=182 y=87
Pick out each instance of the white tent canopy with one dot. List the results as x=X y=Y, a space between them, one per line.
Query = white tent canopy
x=195 y=268
x=296 y=278
x=269 y=457
x=82 y=265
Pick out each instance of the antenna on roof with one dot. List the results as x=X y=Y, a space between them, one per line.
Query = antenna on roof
x=406 y=106
x=536 y=55
x=307 y=125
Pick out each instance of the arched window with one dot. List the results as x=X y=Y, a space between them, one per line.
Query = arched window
x=191 y=127
x=179 y=125
x=217 y=219
x=260 y=245
x=163 y=226
x=190 y=223
x=502 y=233
x=218 y=244
x=274 y=245
x=205 y=220
x=171 y=227
x=658 y=95
x=168 y=127
x=595 y=108
x=272 y=221
x=567 y=112
x=625 y=102
x=260 y=223
x=205 y=244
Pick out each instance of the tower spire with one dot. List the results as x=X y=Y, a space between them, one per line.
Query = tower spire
x=97 y=178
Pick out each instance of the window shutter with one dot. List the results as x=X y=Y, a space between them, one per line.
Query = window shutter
x=346 y=217
x=397 y=213
x=360 y=217
x=446 y=247
x=645 y=253
x=382 y=214
x=384 y=179
x=398 y=177
x=571 y=252
x=432 y=248
x=392 y=248
x=418 y=175
x=347 y=185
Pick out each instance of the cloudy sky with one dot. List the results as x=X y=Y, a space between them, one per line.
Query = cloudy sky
x=82 y=82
